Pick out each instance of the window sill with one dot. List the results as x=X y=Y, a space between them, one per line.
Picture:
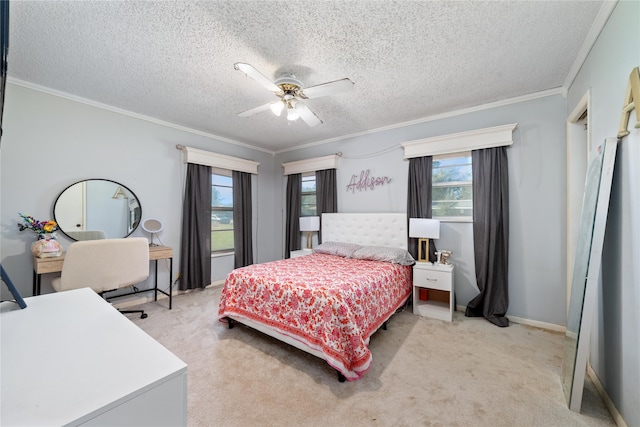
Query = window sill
x=454 y=219
x=221 y=254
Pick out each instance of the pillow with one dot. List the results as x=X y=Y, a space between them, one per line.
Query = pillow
x=337 y=248
x=386 y=254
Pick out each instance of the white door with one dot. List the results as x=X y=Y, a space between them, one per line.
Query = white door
x=70 y=208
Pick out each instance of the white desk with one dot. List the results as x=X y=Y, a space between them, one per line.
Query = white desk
x=70 y=358
x=54 y=265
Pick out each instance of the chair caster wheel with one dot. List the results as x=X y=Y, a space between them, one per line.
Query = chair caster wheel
x=143 y=316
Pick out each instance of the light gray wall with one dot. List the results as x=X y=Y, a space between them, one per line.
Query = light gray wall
x=49 y=142
x=537 y=197
x=615 y=339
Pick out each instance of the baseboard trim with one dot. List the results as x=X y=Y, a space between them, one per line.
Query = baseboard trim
x=538 y=324
x=138 y=299
x=617 y=417
x=216 y=284
x=528 y=322
x=143 y=298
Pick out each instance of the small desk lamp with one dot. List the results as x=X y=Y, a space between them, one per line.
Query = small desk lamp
x=309 y=224
x=424 y=229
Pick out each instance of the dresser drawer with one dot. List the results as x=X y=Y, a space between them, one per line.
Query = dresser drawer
x=432 y=279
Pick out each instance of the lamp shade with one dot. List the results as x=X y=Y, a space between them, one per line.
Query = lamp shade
x=277 y=107
x=293 y=115
x=309 y=223
x=425 y=228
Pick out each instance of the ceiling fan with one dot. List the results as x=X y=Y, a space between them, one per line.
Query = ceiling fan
x=291 y=93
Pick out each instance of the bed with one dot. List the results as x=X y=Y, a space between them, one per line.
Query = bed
x=331 y=302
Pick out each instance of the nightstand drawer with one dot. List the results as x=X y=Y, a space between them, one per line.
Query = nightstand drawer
x=432 y=279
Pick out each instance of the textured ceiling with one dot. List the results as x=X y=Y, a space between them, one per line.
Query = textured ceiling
x=173 y=60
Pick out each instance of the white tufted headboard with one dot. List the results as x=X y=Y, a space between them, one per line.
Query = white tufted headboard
x=372 y=229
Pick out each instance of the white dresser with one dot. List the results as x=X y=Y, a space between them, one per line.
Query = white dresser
x=70 y=358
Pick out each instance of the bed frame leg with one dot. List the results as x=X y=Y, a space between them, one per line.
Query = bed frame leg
x=231 y=322
x=384 y=325
x=341 y=377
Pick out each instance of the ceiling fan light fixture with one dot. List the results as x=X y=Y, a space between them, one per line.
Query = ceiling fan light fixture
x=290 y=92
x=292 y=114
x=277 y=108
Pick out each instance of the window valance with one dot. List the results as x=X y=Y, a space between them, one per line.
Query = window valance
x=208 y=158
x=459 y=142
x=311 y=165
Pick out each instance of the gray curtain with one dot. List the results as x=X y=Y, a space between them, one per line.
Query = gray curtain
x=294 y=209
x=326 y=194
x=195 y=246
x=242 y=217
x=491 y=234
x=419 y=198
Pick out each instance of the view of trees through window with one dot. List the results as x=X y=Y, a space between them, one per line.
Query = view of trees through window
x=221 y=213
x=309 y=195
x=452 y=194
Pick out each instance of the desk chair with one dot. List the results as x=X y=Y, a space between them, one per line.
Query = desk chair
x=105 y=265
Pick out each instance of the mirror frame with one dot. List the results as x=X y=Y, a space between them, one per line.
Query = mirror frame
x=96 y=179
x=586 y=272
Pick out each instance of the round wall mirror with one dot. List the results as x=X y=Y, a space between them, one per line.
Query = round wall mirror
x=97 y=209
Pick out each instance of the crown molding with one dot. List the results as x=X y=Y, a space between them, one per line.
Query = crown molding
x=454 y=113
x=124 y=112
x=482 y=107
x=596 y=28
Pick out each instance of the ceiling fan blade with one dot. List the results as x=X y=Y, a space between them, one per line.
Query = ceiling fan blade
x=256 y=110
x=335 y=87
x=256 y=75
x=307 y=115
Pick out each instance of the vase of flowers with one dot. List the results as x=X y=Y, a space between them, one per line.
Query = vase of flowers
x=46 y=245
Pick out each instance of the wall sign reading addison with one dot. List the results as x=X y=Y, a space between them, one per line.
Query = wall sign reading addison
x=366 y=182
x=631 y=102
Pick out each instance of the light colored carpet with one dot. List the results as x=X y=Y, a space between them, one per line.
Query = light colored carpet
x=424 y=373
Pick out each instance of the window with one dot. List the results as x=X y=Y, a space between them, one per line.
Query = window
x=221 y=212
x=309 y=195
x=452 y=197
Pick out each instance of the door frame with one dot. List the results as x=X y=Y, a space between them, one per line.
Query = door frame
x=578 y=149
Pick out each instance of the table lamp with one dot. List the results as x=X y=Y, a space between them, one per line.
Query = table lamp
x=424 y=229
x=309 y=224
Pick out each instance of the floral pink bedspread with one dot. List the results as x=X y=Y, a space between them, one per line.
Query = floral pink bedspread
x=330 y=303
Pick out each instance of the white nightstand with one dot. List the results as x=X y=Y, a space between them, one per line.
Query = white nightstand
x=426 y=278
x=301 y=252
